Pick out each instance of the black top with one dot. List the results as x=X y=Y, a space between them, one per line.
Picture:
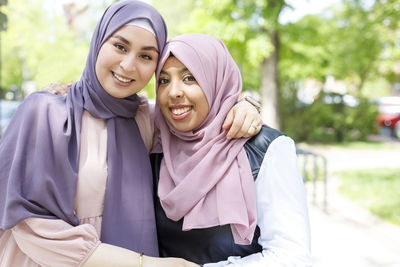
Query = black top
x=215 y=243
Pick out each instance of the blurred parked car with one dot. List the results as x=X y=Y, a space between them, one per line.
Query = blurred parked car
x=389 y=115
x=7 y=109
x=336 y=98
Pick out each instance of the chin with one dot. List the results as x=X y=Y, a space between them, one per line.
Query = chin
x=118 y=94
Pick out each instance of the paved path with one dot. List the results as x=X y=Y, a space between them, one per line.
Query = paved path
x=345 y=234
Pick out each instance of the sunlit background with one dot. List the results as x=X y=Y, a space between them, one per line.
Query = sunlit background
x=326 y=72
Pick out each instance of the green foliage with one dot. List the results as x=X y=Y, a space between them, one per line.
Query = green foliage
x=303 y=52
x=377 y=190
x=346 y=42
x=39 y=46
x=386 y=14
x=150 y=89
x=334 y=122
x=243 y=26
x=178 y=15
x=353 y=42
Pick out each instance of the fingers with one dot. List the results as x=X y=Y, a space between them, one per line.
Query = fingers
x=259 y=123
x=253 y=130
x=246 y=127
x=62 y=88
x=57 y=88
x=236 y=129
x=244 y=119
x=255 y=127
x=49 y=89
x=228 y=121
x=250 y=126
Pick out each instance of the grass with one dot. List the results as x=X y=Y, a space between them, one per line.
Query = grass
x=378 y=190
x=359 y=145
x=367 y=145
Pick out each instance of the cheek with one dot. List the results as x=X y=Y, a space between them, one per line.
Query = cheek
x=99 y=70
x=147 y=71
x=103 y=63
x=161 y=97
x=103 y=58
x=204 y=112
x=203 y=106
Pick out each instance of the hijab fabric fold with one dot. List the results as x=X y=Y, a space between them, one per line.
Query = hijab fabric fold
x=205 y=178
x=39 y=152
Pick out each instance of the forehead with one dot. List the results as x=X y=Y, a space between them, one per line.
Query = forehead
x=136 y=35
x=172 y=63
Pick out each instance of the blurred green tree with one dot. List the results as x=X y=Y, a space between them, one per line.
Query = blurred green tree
x=251 y=31
x=386 y=14
x=39 y=46
x=304 y=52
x=354 y=44
x=353 y=41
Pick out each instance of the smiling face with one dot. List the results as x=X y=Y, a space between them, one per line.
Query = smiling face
x=126 y=61
x=182 y=101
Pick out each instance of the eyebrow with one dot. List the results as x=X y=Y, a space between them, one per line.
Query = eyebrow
x=151 y=48
x=124 y=40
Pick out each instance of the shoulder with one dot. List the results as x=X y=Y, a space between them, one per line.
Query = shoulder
x=263 y=139
x=38 y=109
x=257 y=146
x=44 y=98
x=39 y=102
x=39 y=114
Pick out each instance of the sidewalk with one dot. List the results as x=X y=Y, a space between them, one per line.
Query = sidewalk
x=347 y=235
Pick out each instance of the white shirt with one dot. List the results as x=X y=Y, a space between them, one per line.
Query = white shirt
x=282 y=213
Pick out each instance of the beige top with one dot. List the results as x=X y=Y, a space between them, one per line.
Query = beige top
x=45 y=242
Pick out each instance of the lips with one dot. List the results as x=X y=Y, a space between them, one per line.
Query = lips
x=180 y=112
x=122 y=79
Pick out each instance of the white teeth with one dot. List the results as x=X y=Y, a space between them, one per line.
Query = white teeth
x=121 y=79
x=180 y=111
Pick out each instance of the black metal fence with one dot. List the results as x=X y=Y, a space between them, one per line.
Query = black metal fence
x=314 y=170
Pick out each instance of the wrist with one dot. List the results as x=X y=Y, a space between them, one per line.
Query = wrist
x=252 y=101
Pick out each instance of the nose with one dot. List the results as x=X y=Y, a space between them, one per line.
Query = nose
x=175 y=89
x=128 y=63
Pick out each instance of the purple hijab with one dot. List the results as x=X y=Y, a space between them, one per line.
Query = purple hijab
x=204 y=177
x=39 y=152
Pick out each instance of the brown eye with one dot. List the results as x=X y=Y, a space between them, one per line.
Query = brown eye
x=146 y=57
x=120 y=47
x=163 y=81
x=189 y=78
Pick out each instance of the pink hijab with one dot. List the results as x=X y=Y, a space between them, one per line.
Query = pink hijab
x=205 y=178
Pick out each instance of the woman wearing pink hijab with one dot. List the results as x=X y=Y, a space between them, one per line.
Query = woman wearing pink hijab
x=221 y=202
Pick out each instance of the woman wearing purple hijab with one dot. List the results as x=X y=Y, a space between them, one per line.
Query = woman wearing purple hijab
x=221 y=202
x=75 y=178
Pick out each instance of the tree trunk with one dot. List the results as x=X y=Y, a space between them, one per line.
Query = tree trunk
x=270 y=86
x=363 y=78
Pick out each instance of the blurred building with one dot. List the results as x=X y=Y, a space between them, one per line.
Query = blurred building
x=310 y=89
x=83 y=15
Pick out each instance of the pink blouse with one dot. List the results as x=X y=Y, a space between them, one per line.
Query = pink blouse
x=44 y=242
